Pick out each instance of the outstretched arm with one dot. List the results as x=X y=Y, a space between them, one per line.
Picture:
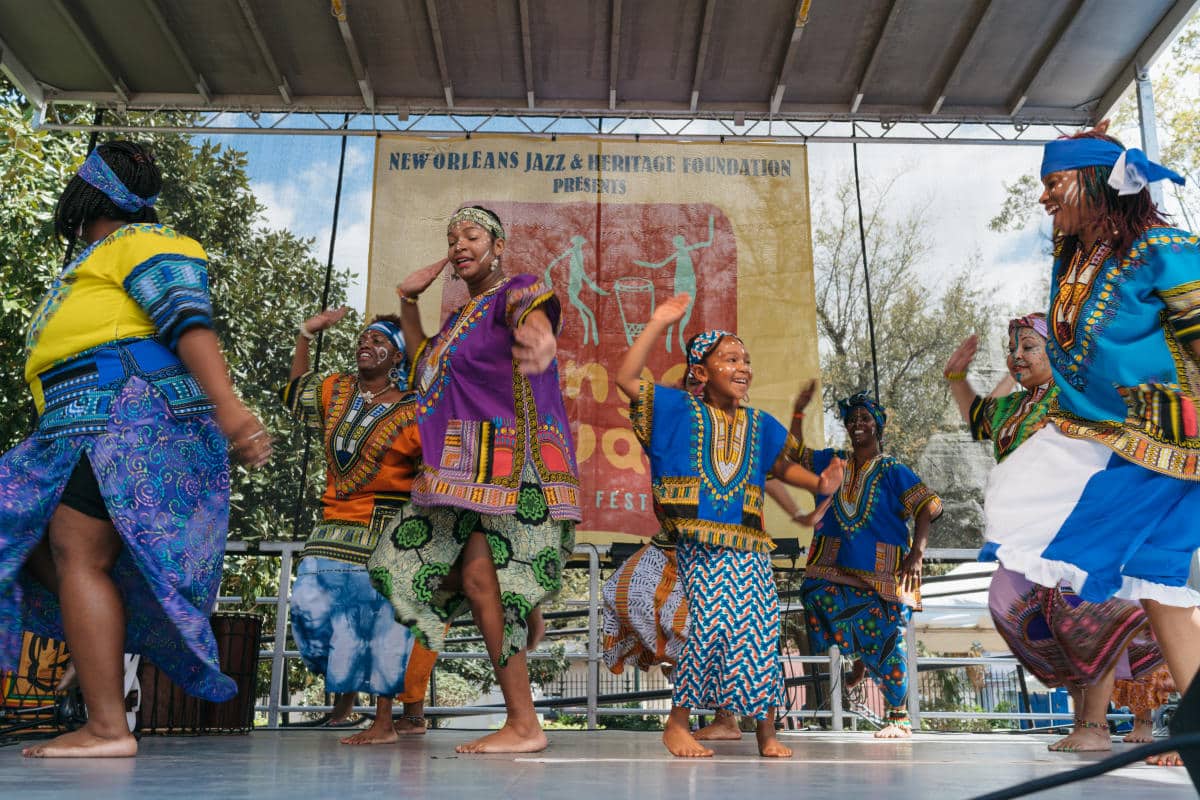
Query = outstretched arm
x=408 y=291
x=711 y=234
x=657 y=265
x=793 y=474
x=777 y=492
x=551 y=266
x=591 y=283
x=803 y=400
x=629 y=374
x=956 y=373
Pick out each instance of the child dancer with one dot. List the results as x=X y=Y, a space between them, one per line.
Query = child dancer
x=709 y=458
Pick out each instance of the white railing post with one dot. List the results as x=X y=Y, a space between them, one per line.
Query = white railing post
x=914 y=677
x=835 y=686
x=278 y=657
x=593 y=665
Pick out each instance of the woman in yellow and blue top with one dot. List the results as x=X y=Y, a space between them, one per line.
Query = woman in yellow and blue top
x=709 y=459
x=863 y=577
x=114 y=512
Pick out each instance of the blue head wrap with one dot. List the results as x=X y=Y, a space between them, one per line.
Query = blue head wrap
x=392 y=331
x=1132 y=171
x=863 y=400
x=96 y=172
x=703 y=343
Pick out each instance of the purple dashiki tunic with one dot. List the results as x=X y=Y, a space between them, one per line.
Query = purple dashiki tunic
x=498 y=460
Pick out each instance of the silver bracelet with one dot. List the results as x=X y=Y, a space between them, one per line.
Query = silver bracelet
x=305 y=332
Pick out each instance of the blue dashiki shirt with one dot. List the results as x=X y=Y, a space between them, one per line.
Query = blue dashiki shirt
x=865 y=532
x=708 y=472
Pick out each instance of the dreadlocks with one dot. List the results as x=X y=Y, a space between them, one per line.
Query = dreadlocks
x=81 y=203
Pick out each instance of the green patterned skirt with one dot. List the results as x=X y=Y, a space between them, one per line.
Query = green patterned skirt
x=421 y=546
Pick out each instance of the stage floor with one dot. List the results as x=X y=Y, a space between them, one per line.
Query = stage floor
x=578 y=765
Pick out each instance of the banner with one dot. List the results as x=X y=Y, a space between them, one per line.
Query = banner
x=617 y=228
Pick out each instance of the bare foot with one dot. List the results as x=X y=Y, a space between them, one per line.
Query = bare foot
x=410 y=726
x=724 y=728
x=857 y=673
x=894 y=730
x=769 y=746
x=1143 y=732
x=343 y=709
x=507 y=740
x=1084 y=740
x=380 y=732
x=83 y=743
x=1170 y=759
x=682 y=744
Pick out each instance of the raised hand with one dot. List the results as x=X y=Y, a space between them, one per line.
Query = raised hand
x=326 y=319
x=421 y=280
x=805 y=396
x=962 y=357
x=672 y=310
x=831 y=478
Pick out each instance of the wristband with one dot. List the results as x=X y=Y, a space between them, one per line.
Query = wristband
x=305 y=332
x=406 y=299
x=798 y=415
x=956 y=376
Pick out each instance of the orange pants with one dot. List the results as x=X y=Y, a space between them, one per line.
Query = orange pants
x=416 y=676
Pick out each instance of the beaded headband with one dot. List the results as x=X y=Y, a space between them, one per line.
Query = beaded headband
x=96 y=172
x=480 y=217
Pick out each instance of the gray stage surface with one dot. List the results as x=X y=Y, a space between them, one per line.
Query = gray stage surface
x=577 y=766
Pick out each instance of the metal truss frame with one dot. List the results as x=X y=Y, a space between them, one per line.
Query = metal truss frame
x=602 y=123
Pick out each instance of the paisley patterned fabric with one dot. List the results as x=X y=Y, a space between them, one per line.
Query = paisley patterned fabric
x=165 y=482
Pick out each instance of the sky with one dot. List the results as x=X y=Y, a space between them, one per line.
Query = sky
x=961 y=187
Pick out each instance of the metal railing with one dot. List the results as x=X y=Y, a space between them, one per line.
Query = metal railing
x=592 y=704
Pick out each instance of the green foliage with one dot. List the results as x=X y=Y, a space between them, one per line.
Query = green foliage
x=263 y=283
x=917 y=325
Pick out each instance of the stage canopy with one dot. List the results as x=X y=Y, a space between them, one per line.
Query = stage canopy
x=993 y=62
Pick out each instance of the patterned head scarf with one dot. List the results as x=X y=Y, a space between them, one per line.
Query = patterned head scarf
x=703 y=343
x=96 y=172
x=863 y=400
x=483 y=219
x=1035 y=321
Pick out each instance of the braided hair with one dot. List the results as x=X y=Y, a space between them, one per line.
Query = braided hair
x=1126 y=218
x=81 y=203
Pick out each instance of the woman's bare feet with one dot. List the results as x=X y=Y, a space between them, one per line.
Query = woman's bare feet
x=410 y=725
x=343 y=709
x=509 y=739
x=1088 y=737
x=84 y=743
x=681 y=743
x=723 y=728
x=1169 y=759
x=894 y=731
x=769 y=745
x=380 y=732
x=1142 y=733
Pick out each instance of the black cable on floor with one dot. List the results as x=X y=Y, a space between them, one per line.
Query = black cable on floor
x=1185 y=742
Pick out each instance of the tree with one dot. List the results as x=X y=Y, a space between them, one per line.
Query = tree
x=263 y=282
x=1175 y=81
x=917 y=324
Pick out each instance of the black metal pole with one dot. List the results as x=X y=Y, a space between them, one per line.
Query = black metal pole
x=862 y=241
x=316 y=362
